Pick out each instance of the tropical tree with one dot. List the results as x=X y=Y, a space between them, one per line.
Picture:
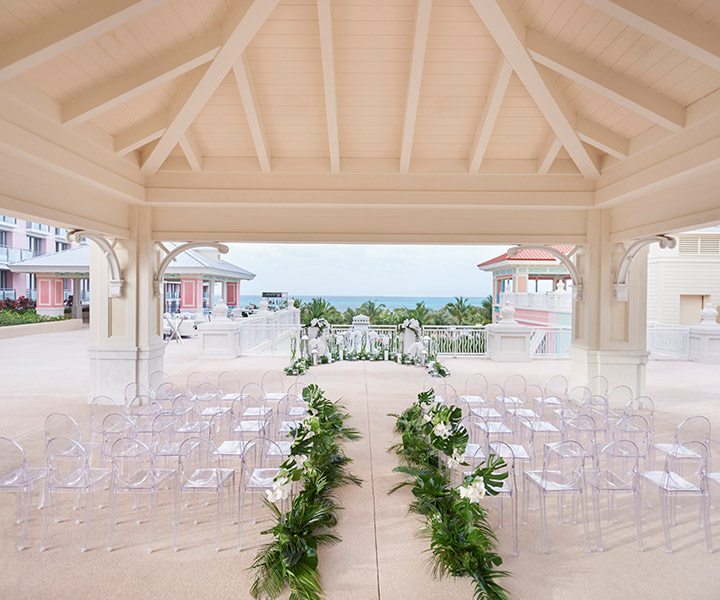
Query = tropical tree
x=317 y=308
x=486 y=310
x=372 y=310
x=460 y=310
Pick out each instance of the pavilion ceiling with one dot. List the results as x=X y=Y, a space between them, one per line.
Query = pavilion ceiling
x=590 y=92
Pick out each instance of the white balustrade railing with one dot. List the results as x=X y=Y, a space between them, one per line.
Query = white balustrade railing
x=268 y=333
x=550 y=342
x=552 y=301
x=457 y=340
x=668 y=342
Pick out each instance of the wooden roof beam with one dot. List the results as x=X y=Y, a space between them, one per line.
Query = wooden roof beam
x=662 y=21
x=241 y=70
x=501 y=79
x=70 y=29
x=508 y=30
x=618 y=88
x=548 y=154
x=242 y=24
x=327 y=54
x=144 y=133
x=191 y=150
x=417 y=60
x=140 y=79
x=603 y=139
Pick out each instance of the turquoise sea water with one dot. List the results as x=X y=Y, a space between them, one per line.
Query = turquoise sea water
x=344 y=302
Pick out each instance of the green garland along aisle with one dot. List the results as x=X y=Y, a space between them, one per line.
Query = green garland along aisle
x=462 y=543
x=318 y=462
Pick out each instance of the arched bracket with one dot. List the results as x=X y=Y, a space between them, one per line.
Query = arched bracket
x=116 y=283
x=620 y=288
x=160 y=275
x=564 y=259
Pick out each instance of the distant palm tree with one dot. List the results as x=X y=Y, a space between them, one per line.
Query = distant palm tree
x=486 y=310
x=316 y=309
x=459 y=310
x=372 y=310
x=420 y=312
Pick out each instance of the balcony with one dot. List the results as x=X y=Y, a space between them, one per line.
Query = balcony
x=551 y=301
x=38 y=227
x=7 y=294
x=10 y=255
x=8 y=220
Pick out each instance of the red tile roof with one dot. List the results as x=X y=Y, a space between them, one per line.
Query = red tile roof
x=528 y=255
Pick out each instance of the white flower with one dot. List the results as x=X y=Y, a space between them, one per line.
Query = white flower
x=314 y=323
x=280 y=490
x=442 y=430
x=426 y=418
x=473 y=491
x=455 y=460
x=300 y=460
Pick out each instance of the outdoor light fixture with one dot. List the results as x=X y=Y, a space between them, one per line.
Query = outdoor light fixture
x=577 y=290
x=116 y=284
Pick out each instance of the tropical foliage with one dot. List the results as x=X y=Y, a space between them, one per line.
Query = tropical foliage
x=462 y=543
x=317 y=463
x=21 y=317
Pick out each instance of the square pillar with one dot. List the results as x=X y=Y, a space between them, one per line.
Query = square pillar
x=126 y=332
x=77 y=298
x=50 y=296
x=609 y=337
x=191 y=294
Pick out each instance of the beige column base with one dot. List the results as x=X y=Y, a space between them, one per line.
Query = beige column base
x=620 y=367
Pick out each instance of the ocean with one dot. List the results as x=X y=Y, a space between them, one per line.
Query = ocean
x=344 y=302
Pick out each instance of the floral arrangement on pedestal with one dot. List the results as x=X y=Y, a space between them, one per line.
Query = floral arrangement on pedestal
x=412 y=325
x=320 y=325
x=462 y=543
x=317 y=463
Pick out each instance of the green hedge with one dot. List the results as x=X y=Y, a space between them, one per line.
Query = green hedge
x=12 y=317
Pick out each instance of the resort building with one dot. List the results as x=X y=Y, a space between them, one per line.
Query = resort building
x=193 y=282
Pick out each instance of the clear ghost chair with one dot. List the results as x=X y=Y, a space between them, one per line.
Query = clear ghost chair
x=562 y=473
x=165 y=394
x=458 y=402
x=255 y=390
x=200 y=471
x=556 y=389
x=494 y=408
x=193 y=381
x=475 y=389
x=134 y=471
x=571 y=407
x=515 y=387
x=229 y=386
x=694 y=458
x=221 y=428
x=619 y=396
x=509 y=488
x=518 y=407
x=100 y=407
x=59 y=425
x=114 y=427
x=209 y=400
x=157 y=378
x=278 y=427
x=134 y=389
x=521 y=443
x=495 y=428
x=294 y=405
x=296 y=389
x=273 y=384
x=692 y=429
x=635 y=429
x=541 y=424
x=261 y=463
x=582 y=429
x=141 y=410
x=596 y=407
x=643 y=406
x=68 y=470
x=444 y=391
x=306 y=379
x=598 y=385
x=616 y=470
x=165 y=437
x=476 y=448
x=18 y=478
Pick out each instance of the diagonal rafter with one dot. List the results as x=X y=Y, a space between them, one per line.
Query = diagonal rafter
x=191 y=150
x=417 y=60
x=498 y=87
x=70 y=29
x=242 y=24
x=241 y=70
x=328 y=66
x=604 y=81
x=661 y=20
x=508 y=30
x=548 y=154
x=155 y=72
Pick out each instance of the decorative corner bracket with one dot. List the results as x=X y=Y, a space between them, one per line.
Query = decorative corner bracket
x=116 y=284
x=160 y=275
x=620 y=287
x=577 y=290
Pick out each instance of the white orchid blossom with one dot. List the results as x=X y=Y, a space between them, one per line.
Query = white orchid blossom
x=455 y=460
x=474 y=490
x=442 y=430
x=426 y=418
x=280 y=490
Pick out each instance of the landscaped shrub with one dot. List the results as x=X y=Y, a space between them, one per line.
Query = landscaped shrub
x=21 y=317
x=22 y=304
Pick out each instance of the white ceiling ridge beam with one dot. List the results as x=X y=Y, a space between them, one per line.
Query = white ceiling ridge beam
x=498 y=87
x=603 y=139
x=70 y=29
x=548 y=154
x=241 y=70
x=327 y=54
x=191 y=150
x=604 y=81
x=242 y=25
x=664 y=22
x=140 y=79
x=144 y=133
x=417 y=61
x=508 y=29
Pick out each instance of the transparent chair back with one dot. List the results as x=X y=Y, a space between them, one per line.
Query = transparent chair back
x=158 y=378
x=59 y=425
x=273 y=383
x=222 y=428
x=693 y=429
x=114 y=427
x=582 y=430
x=599 y=385
x=100 y=407
x=643 y=406
x=167 y=391
x=619 y=396
x=476 y=386
x=134 y=389
x=556 y=387
x=194 y=380
x=445 y=391
x=306 y=379
x=229 y=385
x=515 y=386
x=635 y=429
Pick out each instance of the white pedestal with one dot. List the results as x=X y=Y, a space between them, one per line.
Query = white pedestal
x=409 y=338
x=111 y=369
x=509 y=342
x=620 y=367
x=218 y=339
x=705 y=343
x=56 y=311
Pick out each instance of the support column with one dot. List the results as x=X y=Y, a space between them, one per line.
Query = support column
x=77 y=298
x=126 y=332
x=609 y=337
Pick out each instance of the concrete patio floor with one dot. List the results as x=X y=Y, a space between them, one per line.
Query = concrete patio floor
x=380 y=555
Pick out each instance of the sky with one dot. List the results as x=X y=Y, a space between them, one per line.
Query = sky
x=364 y=269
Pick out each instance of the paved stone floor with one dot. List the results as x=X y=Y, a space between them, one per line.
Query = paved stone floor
x=381 y=555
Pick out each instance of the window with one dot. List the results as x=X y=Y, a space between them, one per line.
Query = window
x=3 y=280
x=3 y=238
x=60 y=246
x=699 y=244
x=32 y=282
x=9 y=220
x=35 y=246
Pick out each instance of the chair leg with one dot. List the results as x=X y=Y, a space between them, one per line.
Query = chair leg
x=26 y=498
x=88 y=515
x=586 y=529
x=526 y=495
x=219 y=520
x=543 y=521
x=113 y=519
x=595 y=494
x=241 y=500
x=638 y=518
x=46 y=520
x=513 y=501
x=177 y=518
x=153 y=516
x=664 y=516
x=705 y=508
